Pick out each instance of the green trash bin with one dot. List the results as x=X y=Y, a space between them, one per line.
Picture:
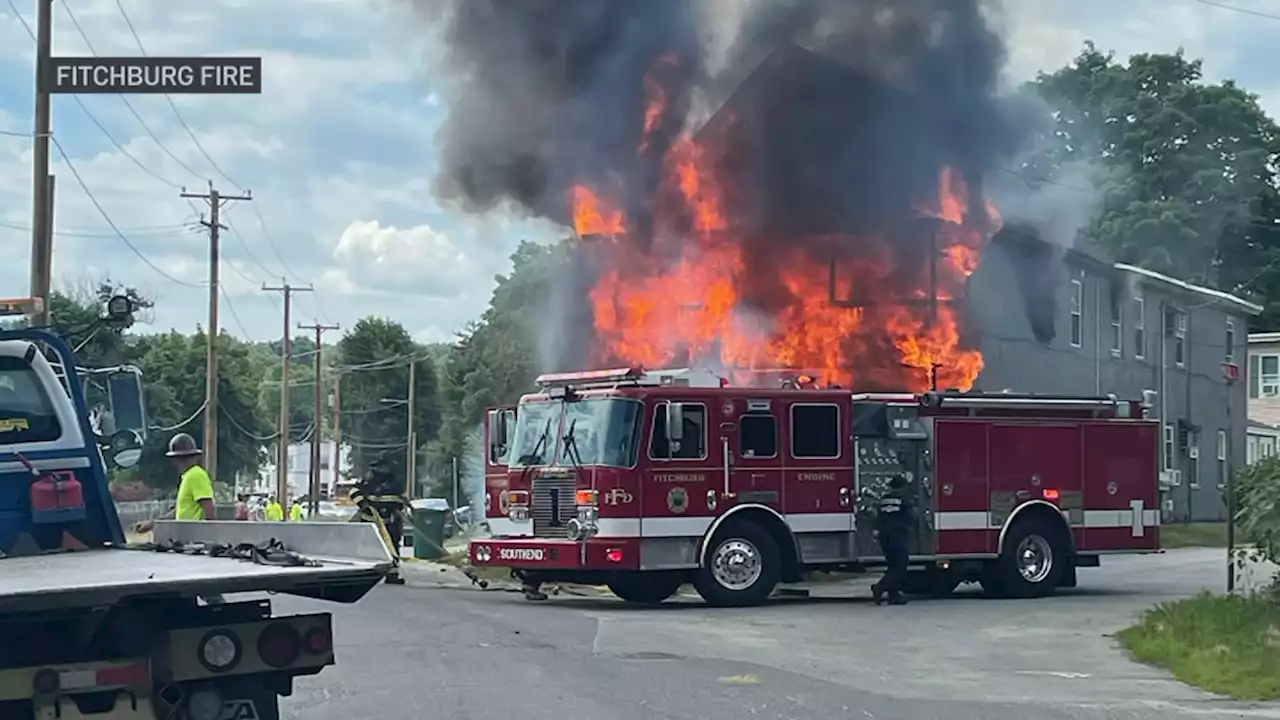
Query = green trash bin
x=428 y=532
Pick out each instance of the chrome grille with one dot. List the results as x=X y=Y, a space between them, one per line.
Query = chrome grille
x=553 y=505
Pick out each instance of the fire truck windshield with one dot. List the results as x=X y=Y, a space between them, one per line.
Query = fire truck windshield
x=606 y=431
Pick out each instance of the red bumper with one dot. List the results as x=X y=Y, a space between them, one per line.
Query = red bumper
x=552 y=554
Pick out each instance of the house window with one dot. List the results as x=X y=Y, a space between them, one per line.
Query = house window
x=1117 y=328
x=1180 y=339
x=1167 y=456
x=1077 y=316
x=1231 y=340
x=1264 y=376
x=1139 y=327
x=1222 y=458
x=1193 y=459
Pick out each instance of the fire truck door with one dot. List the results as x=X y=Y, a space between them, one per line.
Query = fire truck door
x=753 y=454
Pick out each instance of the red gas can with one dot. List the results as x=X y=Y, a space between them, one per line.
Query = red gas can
x=57 y=498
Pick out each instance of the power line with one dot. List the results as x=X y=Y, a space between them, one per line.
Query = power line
x=133 y=111
x=173 y=106
x=1236 y=8
x=111 y=223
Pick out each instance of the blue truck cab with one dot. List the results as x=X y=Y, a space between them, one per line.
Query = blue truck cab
x=54 y=491
x=94 y=627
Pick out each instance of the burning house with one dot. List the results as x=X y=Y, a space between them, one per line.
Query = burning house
x=828 y=217
x=820 y=220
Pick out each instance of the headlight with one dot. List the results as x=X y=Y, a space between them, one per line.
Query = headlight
x=219 y=651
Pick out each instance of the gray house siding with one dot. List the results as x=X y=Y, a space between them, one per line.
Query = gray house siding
x=1021 y=315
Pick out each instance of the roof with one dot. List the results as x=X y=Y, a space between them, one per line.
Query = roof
x=1211 y=296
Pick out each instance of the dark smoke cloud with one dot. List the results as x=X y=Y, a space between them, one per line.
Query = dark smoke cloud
x=551 y=92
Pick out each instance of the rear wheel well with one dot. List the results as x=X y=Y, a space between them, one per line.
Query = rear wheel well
x=780 y=533
x=1049 y=517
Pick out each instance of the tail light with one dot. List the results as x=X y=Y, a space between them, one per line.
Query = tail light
x=317 y=641
x=279 y=645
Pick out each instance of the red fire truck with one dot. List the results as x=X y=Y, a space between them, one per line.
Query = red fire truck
x=643 y=481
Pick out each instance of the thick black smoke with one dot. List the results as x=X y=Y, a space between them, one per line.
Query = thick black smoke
x=548 y=93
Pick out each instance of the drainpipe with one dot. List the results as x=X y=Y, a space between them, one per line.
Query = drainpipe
x=1097 y=339
x=1162 y=329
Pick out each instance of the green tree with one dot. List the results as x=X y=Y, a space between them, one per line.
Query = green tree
x=1187 y=168
x=301 y=387
x=373 y=361
x=174 y=384
x=495 y=359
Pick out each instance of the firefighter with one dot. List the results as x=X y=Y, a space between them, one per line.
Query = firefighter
x=380 y=493
x=895 y=519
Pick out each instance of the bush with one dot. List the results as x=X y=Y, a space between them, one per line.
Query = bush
x=1258 y=510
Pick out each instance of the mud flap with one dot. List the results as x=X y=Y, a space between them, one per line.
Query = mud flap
x=1069 y=576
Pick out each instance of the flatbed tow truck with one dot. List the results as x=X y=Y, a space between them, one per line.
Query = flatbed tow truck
x=94 y=627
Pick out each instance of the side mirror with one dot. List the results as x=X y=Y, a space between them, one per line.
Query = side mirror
x=128 y=409
x=125 y=448
x=499 y=431
x=675 y=422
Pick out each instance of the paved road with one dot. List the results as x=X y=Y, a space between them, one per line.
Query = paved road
x=415 y=652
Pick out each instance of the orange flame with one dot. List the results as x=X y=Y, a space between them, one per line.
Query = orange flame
x=682 y=300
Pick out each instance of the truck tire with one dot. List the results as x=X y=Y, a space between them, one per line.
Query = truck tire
x=645 y=588
x=1031 y=564
x=742 y=566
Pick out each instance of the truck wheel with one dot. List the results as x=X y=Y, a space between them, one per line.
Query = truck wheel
x=1031 y=564
x=742 y=566
x=645 y=588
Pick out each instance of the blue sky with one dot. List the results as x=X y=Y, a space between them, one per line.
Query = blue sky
x=339 y=150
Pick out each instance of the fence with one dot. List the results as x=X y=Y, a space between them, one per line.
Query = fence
x=137 y=511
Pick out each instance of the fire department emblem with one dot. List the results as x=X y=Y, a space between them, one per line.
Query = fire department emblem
x=618 y=496
x=727 y=409
x=677 y=500
x=1112 y=488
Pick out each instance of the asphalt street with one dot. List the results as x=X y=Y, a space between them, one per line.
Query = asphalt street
x=412 y=652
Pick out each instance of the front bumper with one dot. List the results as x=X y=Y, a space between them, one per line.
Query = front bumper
x=595 y=554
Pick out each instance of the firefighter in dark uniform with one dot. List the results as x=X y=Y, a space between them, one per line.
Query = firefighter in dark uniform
x=895 y=519
x=380 y=492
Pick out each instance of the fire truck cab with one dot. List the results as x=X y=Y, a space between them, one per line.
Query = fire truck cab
x=643 y=481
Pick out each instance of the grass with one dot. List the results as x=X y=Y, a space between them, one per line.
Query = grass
x=1225 y=644
x=1187 y=535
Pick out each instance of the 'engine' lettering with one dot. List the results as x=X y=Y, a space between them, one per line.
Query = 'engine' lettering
x=534 y=554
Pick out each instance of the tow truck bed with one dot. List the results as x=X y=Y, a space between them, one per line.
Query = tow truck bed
x=351 y=557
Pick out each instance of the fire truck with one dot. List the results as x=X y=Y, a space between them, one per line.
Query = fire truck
x=644 y=481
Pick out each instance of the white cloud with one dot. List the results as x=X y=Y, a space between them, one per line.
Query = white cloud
x=339 y=152
x=414 y=261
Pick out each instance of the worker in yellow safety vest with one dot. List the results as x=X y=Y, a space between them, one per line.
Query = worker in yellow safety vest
x=274 y=512
x=295 y=511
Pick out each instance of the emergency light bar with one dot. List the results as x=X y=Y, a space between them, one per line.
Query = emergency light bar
x=21 y=306
x=592 y=376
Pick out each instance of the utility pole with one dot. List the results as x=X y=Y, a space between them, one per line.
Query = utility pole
x=41 y=185
x=337 y=428
x=216 y=200
x=313 y=497
x=412 y=453
x=282 y=429
x=454 y=487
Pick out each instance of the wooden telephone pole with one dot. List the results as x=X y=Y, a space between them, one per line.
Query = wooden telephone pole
x=282 y=429
x=313 y=496
x=216 y=200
